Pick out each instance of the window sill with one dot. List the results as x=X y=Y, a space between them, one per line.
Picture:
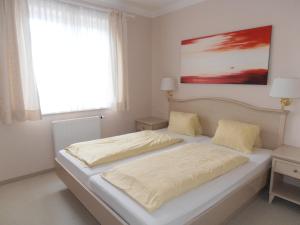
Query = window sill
x=49 y=115
x=71 y=114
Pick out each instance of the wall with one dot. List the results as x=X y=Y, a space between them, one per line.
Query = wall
x=217 y=16
x=27 y=147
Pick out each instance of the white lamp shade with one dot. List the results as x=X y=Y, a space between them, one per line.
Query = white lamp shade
x=285 y=88
x=168 y=84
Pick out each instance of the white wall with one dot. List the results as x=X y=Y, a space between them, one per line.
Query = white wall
x=217 y=16
x=27 y=147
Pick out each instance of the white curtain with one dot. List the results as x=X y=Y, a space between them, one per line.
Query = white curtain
x=118 y=37
x=19 y=99
x=79 y=57
x=72 y=57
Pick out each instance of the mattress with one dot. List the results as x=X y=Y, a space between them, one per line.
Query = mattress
x=83 y=173
x=187 y=206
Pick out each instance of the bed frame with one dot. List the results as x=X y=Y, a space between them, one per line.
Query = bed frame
x=210 y=111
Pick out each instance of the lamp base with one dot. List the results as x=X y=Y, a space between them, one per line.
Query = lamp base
x=285 y=102
x=169 y=95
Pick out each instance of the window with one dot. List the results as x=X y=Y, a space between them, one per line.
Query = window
x=71 y=57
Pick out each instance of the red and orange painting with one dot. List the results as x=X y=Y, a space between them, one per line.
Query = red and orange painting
x=240 y=57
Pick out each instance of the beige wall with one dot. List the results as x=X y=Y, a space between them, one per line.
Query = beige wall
x=27 y=147
x=217 y=16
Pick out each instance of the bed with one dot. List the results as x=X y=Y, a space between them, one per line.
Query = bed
x=212 y=203
x=83 y=172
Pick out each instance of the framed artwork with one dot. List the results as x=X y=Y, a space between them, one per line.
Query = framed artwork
x=240 y=57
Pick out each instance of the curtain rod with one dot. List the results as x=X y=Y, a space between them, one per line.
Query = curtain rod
x=90 y=5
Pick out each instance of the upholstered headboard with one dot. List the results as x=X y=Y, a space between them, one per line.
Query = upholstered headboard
x=211 y=110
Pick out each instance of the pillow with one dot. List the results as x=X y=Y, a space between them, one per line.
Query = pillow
x=185 y=123
x=237 y=135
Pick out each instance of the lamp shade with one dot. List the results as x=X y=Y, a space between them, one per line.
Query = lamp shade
x=168 y=84
x=285 y=88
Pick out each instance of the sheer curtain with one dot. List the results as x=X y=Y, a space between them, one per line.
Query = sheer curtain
x=61 y=57
x=118 y=38
x=19 y=99
x=72 y=56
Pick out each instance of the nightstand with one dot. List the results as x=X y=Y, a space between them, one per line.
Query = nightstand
x=286 y=162
x=150 y=123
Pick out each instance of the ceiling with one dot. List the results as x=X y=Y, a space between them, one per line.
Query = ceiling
x=148 y=8
x=154 y=4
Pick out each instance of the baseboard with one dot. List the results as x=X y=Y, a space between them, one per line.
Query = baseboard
x=15 y=179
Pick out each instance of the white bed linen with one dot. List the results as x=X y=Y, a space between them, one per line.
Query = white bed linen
x=185 y=207
x=83 y=173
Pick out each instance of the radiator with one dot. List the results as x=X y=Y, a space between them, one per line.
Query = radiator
x=66 y=132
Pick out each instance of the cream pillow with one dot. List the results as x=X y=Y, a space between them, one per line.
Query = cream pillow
x=185 y=123
x=237 y=135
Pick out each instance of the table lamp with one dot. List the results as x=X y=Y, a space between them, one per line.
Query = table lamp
x=286 y=89
x=168 y=84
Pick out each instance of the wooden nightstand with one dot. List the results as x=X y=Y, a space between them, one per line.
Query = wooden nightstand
x=150 y=123
x=286 y=162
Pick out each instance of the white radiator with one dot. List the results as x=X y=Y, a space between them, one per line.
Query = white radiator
x=66 y=132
